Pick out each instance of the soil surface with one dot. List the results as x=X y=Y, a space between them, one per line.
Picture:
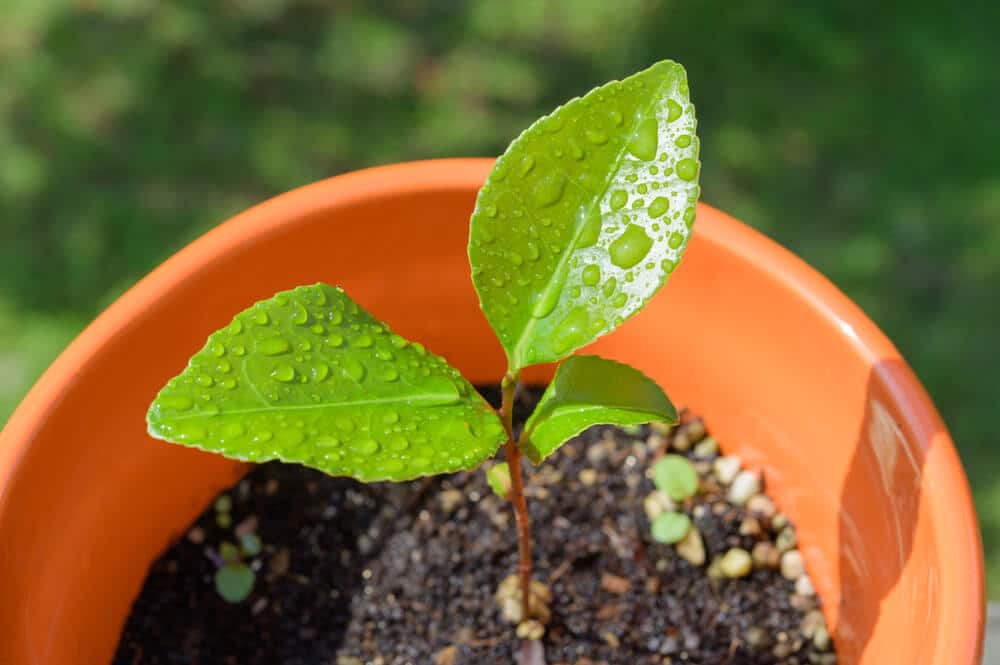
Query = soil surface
x=394 y=574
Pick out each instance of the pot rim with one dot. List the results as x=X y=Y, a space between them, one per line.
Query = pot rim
x=962 y=594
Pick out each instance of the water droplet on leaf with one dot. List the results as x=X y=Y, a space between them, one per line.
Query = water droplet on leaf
x=630 y=247
x=643 y=143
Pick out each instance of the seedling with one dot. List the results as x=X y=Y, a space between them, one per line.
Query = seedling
x=234 y=579
x=579 y=223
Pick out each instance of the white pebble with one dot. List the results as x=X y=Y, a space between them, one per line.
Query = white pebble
x=706 y=448
x=761 y=506
x=792 y=567
x=692 y=547
x=726 y=468
x=736 y=563
x=804 y=586
x=745 y=485
x=657 y=503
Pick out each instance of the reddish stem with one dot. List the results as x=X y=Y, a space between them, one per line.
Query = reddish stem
x=516 y=495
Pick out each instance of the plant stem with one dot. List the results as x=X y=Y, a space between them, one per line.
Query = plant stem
x=516 y=495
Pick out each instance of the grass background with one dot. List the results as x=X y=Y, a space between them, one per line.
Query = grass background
x=865 y=138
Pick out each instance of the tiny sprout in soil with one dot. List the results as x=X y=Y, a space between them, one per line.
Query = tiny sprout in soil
x=234 y=578
x=578 y=225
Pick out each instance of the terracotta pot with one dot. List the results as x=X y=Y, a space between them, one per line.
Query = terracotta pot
x=788 y=373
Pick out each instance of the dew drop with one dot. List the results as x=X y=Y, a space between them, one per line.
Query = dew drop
x=682 y=141
x=205 y=380
x=676 y=240
x=398 y=341
x=572 y=331
x=609 y=287
x=527 y=165
x=364 y=341
x=354 y=369
x=591 y=275
x=515 y=258
x=176 y=402
x=591 y=230
x=659 y=206
x=576 y=152
x=217 y=350
x=668 y=265
x=618 y=199
x=532 y=251
x=236 y=327
x=273 y=346
x=547 y=303
x=228 y=383
x=596 y=137
x=261 y=318
x=233 y=430
x=689 y=216
x=630 y=247
x=397 y=444
x=490 y=210
x=365 y=446
x=620 y=300
x=644 y=142
x=300 y=316
x=336 y=318
x=390 y=374
x=328 y=442
x=674 y=110
x=390 y=417
x=616 y=118
x=335 y=340
x=320 y=371
x=687 y=169
x=549 y=189
x=283 y=373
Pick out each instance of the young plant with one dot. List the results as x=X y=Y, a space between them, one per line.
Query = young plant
x=579 y=223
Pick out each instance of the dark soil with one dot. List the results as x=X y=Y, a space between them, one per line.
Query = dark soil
x=384 y=574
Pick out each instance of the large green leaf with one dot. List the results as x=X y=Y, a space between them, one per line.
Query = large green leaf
x=585 y=215
x=308 y=376
x=586 y=391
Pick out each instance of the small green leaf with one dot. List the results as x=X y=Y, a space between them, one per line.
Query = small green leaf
x=674 y=475
x=310 y=377
x=229 y=553
x=234 y=582
x=586 y=391
x=498 y=476
x=250 y=544
x=586 y=214
x=670 y=528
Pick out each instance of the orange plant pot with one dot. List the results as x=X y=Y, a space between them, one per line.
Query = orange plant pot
x=788 y=373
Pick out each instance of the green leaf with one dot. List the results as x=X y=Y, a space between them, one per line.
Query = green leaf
x=234 y=582
x=498 y=477
x=676 y=476
x=670 y=528
x=588 y=390
x=586 y=214
x=310 y=377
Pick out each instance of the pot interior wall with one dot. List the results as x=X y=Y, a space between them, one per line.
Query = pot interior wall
x=781 y=378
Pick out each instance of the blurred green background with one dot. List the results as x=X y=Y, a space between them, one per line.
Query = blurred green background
x=865 y=139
